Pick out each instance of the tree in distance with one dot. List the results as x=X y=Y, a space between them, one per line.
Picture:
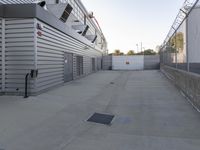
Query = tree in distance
x=147 y=52
x=130 y=52
x=118 y=53
x=177 y=41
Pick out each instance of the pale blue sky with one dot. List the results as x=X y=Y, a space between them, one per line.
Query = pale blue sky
x=128 y=22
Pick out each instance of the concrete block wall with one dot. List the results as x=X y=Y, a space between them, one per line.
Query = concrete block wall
x=187 y=82
x=149 y=62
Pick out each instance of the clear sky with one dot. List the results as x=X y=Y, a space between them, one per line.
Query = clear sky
x=128 y=22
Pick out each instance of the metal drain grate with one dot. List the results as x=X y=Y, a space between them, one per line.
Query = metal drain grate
x=101 y=118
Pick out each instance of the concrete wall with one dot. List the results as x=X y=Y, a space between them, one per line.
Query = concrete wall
x=151 y=62
x=148 y=62
x=128 y=62
x=188 y=82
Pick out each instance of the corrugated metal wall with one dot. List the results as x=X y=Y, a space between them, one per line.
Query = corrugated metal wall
x=0 y=54
x=50 y=59
x=194 y=36
x=16 y=1
x=19 y=53
x=25 y=49
x=50 y=56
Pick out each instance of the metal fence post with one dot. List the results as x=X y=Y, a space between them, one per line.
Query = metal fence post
x=187 y=48
x=176 y=59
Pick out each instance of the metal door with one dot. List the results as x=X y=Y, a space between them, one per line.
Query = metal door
x=68 y=67
x=93 y=64
x=99 y=63
x=79 y=65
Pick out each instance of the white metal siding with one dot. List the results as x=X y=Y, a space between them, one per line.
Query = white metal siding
x=50 y=56
x=16 y=1
x=19 y=53
x=135 y=62
x=194 y=36
x=0 y=54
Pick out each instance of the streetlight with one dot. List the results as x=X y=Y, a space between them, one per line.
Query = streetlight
x=143 y=50
x=137 y=47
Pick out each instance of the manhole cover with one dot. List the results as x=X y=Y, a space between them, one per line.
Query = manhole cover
x=101 y=118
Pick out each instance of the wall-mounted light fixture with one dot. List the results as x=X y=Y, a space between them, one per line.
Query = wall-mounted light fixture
x=91 y=14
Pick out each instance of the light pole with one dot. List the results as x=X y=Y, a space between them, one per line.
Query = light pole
x=143 y=50
x=137 y=47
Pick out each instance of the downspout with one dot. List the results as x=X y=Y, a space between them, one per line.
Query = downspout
x=35 y=53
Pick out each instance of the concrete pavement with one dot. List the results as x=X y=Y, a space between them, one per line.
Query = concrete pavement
x=150 y=114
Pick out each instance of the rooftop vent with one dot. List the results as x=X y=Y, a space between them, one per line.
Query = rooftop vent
x=60 y=10
x=82 y=29
x=91 y=38
x=66 y=13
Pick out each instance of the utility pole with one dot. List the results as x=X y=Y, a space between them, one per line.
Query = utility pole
x=141 y=48
x=137 y=47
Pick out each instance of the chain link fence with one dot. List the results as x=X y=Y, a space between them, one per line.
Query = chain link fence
x=181 y=48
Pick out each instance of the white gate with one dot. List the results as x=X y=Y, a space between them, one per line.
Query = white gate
x=128 y=62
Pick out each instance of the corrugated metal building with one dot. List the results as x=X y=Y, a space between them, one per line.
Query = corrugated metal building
x=60 y=40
